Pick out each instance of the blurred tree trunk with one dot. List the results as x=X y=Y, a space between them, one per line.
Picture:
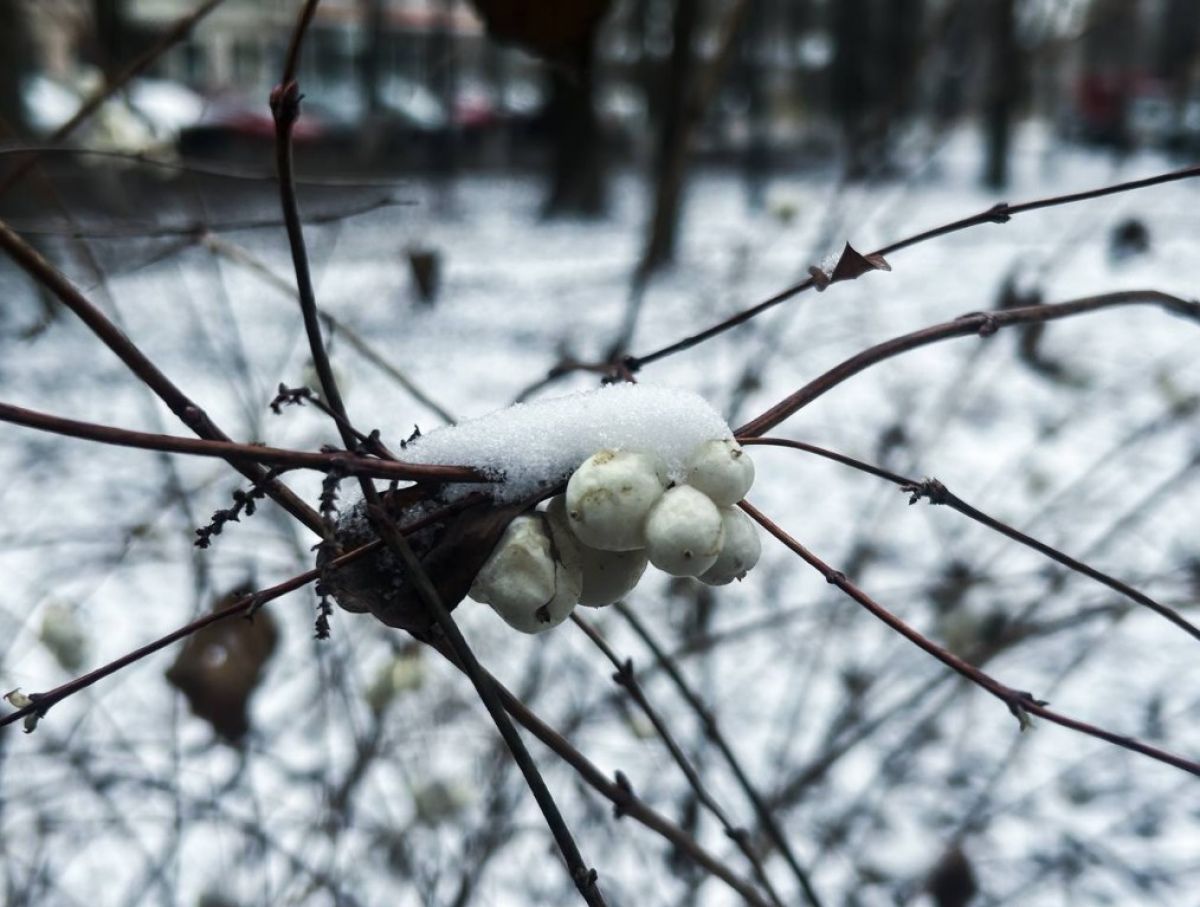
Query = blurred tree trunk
x=903 y=24
x=851 y=81
x=370 y=59
x=442 y=74
x=955 y=70
x=112 y=44
x=670 y=156
x=749 y=82
x=577 y=170
x=1001 y=91
x=16 y=60
x=1179 y=36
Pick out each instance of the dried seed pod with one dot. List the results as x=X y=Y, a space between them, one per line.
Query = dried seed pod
x=609 y=496
x=722 y=470
x=607 y=575
x=523 y=581
x=684 y=532
x=739 y=552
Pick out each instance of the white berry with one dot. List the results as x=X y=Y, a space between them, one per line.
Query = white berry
x=722 y=470
x=609 y=496
x=683 y=532
x=523 y=582
x=607 y=575
x=740 y=551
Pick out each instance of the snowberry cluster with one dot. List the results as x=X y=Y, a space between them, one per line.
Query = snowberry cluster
x=591 y=545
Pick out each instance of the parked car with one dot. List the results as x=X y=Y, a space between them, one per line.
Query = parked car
x=148 y=114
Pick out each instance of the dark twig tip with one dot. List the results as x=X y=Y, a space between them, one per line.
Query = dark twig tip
x=999 y=213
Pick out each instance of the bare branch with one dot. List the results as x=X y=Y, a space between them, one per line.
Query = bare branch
x=997 y=214
x=338 y=461
x=37 y=267
x=983 y=324
x=937 y=493
x=1021 y=704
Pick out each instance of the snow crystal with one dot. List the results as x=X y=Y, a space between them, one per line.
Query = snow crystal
x=529 y=445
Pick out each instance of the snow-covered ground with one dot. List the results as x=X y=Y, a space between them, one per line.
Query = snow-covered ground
x=877 y=759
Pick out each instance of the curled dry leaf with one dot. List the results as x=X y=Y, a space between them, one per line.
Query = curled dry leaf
x=558 y=31
x=221 y=665
x=851 y=265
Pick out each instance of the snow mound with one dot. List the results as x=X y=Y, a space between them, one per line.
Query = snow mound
x=530 y=445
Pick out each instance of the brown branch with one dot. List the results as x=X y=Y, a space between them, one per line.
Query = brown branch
x=338 y=461
x=983 y=324
x=714 y=733
x=199 y=228
x=937 y=493
x=238 y=255
x=1021 y=704
x=487 y=688
x=285 y=107
x=243 y=606
x=44 y=273
x=998 y=214
x=625 y=678
x=620 y=793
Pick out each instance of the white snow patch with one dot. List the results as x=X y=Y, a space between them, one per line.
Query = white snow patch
x=531 y=444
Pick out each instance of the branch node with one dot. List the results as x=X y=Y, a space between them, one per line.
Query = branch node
x=1018 y=703
x=285 y=103
x=988 y=323
x=836 y=578
x=627 y=795
x=935 y=491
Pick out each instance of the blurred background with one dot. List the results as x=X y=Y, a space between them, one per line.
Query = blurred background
x=487 y=209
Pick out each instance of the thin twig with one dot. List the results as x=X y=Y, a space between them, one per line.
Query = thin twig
x=983 y=324
x=44 y=273
x=937 y=493
x=199 y=228
x=238 y=255
x=625 y=801
x=338 y=461
x=997 y=214
x=285 y=101
x=1022 y=704
x=243 y=606
x=714 y=733
x=625 y=677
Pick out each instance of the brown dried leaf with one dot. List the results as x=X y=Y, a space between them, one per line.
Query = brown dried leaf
x=221 y=665
x=853 y=264
x=558 y=31
x=952 y=882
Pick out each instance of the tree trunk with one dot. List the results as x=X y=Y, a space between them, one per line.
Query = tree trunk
x=749 y=81
x=15 y=63
x=370 y=55
x=1001 y=98
x=851 y=82
x=577 y=170
x=670 y=157
x=442 y=74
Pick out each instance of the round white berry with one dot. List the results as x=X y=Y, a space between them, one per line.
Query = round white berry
x=523 y=582
x=607 y=575
x=722 y=470
x=683 y=532
x=740 y=551
x=609 y=496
